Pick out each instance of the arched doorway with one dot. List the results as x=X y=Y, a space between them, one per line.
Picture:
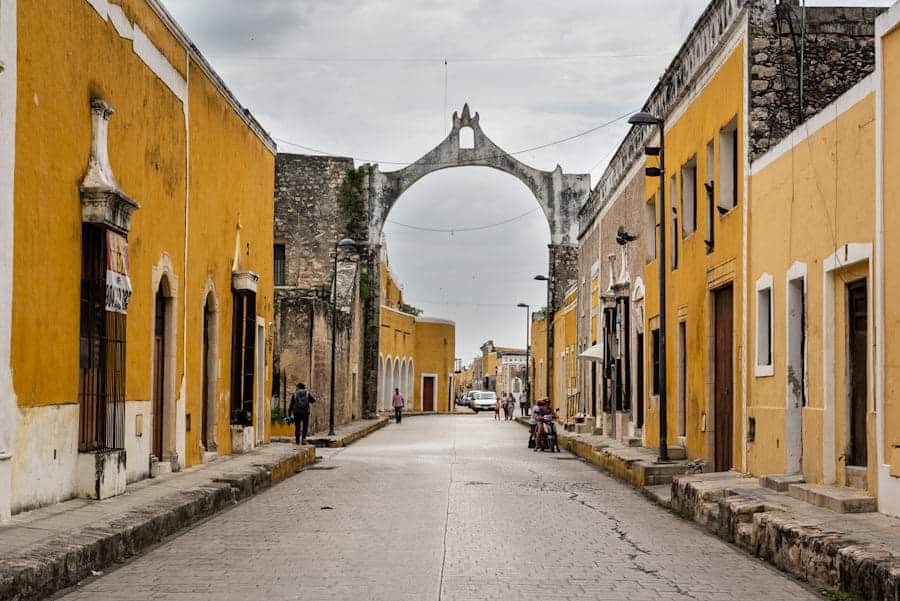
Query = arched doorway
x=162 y=445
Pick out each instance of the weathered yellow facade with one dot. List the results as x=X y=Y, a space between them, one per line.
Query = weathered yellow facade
x=692 y=285
x=811 y=231
x=202 y=172
x=416 y=354
x=539 y=368
x=564 y=369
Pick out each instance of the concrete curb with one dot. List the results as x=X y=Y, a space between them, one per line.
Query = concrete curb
x=339 y=440
x=44 y=569
x=823 y=558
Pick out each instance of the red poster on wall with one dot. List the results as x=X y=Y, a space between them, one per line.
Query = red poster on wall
x=118 y=284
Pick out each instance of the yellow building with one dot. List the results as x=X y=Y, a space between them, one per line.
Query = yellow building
x=564 y=393
x=812 y=226
x=539 y=375
x=886 y=435
x=416 y=353
x=703 y=143
x=155 y=209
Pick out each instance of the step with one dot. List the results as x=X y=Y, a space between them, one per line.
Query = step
x=632 y=442
x=835 y=498
x=584 y=428
x=856 y=477
x=210 y=456
x=781 y=482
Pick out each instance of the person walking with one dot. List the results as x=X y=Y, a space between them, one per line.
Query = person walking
x=398 y=402
x=511 y=407
x=497 y=405
x=299 y=409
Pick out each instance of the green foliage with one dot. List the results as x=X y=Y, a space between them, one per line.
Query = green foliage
x=278 y=415
x=351 y=200
x=840 y=596
x=411 y=310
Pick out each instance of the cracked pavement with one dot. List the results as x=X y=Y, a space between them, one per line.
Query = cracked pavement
x=450 y=508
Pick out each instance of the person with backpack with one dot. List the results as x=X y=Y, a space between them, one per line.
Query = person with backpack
x=299 y=409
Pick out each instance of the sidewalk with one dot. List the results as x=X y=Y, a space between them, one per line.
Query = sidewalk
x=343 y=435
x=52 y=548
x=855 y=553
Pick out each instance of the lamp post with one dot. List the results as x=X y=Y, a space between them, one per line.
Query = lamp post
x=345 y=243
x=527 y=351
x=644 y=119
x=549 y=310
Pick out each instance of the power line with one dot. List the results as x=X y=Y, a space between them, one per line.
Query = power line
x=459 y=304
x=475 y=228
x=413 y=60
x=499 y=156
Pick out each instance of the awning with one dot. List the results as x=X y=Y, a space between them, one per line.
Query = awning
x=594 y=353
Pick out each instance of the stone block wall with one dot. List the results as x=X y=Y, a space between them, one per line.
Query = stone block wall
x=308 y=218
x=839 y=51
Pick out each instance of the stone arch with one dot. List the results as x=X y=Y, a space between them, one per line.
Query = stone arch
x=395 y=378
x=559 y=194
x=410 y=383
x=381 y=380
x=209 y=370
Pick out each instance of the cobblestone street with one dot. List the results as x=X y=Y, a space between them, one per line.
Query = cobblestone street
x=446 y=508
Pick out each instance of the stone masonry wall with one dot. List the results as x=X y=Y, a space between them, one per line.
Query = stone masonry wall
x=839 y=52
x=308 y=219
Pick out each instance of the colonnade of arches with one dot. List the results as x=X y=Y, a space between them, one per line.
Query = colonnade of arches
x=395 y=372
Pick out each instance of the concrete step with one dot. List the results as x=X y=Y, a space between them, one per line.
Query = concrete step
x=781 y=482
x=856 y=477
x=584 y=428
x=210 y=456
x=159 y=468
x=835 y=498
x=677 y=453
x=632 y=442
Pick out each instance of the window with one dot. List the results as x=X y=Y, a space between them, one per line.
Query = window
x=466 y=138
x=728 y=165
x=654 y=356
x=101 y=373
x=280 y=278
x=689 y=197
x=682 y=378
x=764 y=326
x=243 y=356
x=650 y=227
x=709 y=187
x=674 y=235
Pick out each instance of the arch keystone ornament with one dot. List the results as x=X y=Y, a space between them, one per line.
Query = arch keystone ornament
x=559 y=194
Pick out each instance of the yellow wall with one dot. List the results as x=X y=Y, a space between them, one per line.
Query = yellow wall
x=391 y=294
x=539 y=365
x=689 y=287
x=563 y=378
x=230 y=173
x=805 y=205
x=435 y=354
x=890 y=80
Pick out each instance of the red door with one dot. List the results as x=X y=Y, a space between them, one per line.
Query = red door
x=428 y=393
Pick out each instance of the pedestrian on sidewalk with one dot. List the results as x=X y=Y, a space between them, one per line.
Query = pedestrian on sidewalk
x=299 y=409
x=398 y=403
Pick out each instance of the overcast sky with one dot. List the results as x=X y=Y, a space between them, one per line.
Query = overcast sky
x=366 y=78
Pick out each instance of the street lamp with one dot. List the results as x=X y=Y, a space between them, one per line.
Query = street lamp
x=345 y=243
x=527 y=352
x=644 y=119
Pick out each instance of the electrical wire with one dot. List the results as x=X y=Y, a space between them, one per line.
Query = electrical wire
x=410 y=60
x=459 y=304
x=499 y=156
x=454 y=230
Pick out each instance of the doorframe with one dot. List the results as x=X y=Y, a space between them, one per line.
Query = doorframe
x=173 y=408
x=433 y=389
x=260 y=382
x=846 y=256
x=209 y=382
x=794 y=439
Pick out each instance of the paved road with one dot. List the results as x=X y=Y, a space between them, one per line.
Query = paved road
x=445 y=508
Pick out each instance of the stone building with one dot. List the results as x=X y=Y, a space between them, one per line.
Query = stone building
x=309 y=221
x=136 y=257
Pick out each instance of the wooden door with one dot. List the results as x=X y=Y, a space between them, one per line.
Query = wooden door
x=205 y=379
x=857 y=330
x=159 y=372
x=428 y=393
x=724 y=380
